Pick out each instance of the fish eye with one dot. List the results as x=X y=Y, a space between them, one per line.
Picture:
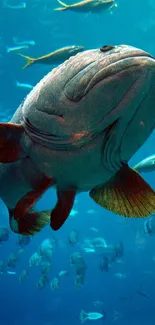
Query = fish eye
x=106 y=48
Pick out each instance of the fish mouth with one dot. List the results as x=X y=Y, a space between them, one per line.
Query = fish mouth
x=32 y=129
x=42 y=137
x=55 y=142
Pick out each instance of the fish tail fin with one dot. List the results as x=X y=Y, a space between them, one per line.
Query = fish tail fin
x=31 y=224
x=7 y=49
x=29 y=60
x=83 y=316
x=64 y=6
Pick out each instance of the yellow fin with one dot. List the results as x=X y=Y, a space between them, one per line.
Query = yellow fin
x=30 y=224
x=29 y=60
x=126 y=194
x=64 y=6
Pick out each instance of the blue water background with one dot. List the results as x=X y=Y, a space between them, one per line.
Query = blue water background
x=133 y=23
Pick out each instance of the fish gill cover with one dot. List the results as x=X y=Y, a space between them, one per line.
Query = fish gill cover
x=99 y=266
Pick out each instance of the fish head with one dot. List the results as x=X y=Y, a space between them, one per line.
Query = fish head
x=107 y=92
x=75 y=49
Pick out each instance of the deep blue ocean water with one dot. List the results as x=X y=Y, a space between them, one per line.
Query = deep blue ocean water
x=131 y=297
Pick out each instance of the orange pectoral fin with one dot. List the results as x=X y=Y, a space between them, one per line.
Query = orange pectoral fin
x=10 y=135
x=62 y=209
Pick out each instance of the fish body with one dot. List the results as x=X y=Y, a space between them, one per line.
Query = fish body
x=23 y=85
x=149 y=226
x=63 y=272
x=11 y=272
x=53 y=126
x=98 y=303
x=120 y=275
x=89 y=250
x=76 y=131
x=21 y=43
x=56 y=57
x=16 y=48
x=89 y=316
x=21 y=5
x=87 y=6
x=146 y=165
x=73 y=213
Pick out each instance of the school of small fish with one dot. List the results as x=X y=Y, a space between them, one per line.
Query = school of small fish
x=84 y=252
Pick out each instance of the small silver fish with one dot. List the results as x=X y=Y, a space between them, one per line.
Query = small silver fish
x=89 y=250
x=21 y=5
x=23 y=85
x=146 y=165
x=11 y=272
x=89 y=316
x=16 y=48
x=21 y=43
x=63 y=272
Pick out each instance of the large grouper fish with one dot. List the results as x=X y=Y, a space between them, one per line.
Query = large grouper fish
x=76 y=131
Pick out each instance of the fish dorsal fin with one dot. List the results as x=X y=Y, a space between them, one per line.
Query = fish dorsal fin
x=126 y=194
x=10 y=136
